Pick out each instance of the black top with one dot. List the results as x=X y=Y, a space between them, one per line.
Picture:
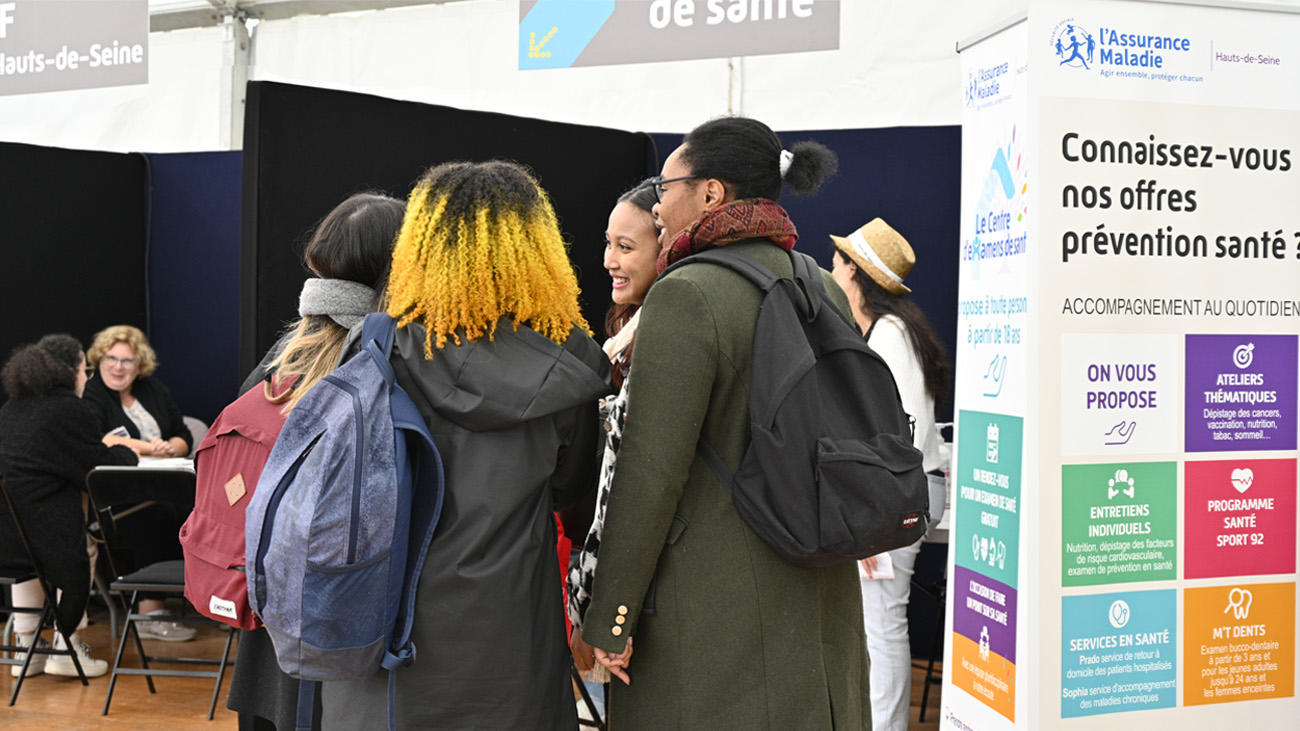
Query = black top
x=106 y=406
x=47 y=445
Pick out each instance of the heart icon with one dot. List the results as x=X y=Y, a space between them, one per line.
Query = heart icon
x=1242 y=479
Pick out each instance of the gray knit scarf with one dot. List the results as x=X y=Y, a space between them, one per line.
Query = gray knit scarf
x=343 y=301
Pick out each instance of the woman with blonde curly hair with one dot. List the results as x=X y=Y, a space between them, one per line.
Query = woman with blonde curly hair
x=133 y=408
x=494 y=351
x=127 y=398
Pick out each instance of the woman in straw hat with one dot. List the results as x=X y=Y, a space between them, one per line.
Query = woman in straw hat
x=870 y=265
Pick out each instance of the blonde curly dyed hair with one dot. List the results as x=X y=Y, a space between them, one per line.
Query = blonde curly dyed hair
x=480 y=241
x=146 y=359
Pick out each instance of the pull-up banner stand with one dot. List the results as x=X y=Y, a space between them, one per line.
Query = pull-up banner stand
x=1124 y=544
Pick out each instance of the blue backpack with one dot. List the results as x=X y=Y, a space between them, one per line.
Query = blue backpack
x=339 y=526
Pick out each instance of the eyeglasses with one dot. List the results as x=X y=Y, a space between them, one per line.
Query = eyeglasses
x=124 y=362
x=657 y=184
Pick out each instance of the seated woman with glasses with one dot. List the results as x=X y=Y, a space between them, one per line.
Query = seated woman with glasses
x=48 y=442
x=133 y=408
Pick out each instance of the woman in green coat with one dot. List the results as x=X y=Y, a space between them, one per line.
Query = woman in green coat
x=726 y=633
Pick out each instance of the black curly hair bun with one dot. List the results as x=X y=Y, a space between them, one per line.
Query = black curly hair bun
x=813 y=163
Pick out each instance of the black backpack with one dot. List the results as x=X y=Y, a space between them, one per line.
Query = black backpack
x=830 y=474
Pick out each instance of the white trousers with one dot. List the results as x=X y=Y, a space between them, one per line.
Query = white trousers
x=884 y=613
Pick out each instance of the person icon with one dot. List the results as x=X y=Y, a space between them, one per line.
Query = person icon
x=1060 y=51
x=1092 y=46
x=1074 y=52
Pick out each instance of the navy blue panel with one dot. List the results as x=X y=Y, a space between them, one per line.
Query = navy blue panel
x=909 y=176
x=194 y=276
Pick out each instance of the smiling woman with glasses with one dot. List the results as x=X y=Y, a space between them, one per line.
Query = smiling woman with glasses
x=133 y=408
x=660 y=185
x=680 y=577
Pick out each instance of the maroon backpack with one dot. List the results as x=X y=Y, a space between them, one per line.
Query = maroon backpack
x=227 y=465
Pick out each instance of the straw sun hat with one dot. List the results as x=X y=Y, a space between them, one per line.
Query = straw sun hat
x=881 y=252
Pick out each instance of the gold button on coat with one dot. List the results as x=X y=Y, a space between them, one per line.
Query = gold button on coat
x=622 y=609
x=616 y=631
x=620 y=619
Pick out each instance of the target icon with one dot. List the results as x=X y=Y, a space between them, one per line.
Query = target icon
x=1243 y=355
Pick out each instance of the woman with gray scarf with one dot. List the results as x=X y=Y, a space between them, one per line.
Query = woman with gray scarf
x=350 y=252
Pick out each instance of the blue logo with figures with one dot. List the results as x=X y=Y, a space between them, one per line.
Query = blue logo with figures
x=1073 y=45
x=972 y=85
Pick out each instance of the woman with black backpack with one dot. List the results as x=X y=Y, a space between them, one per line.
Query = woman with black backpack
x=728 y=634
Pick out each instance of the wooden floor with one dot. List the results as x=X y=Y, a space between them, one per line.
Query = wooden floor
x=181 y=704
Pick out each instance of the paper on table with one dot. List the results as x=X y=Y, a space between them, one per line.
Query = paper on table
x=884 y=568
x=167 y=463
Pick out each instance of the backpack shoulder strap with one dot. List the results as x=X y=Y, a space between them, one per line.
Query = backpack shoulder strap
x=761 y=276
x=377 y=332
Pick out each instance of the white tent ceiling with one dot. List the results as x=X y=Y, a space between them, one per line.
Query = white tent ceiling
x=896 y=66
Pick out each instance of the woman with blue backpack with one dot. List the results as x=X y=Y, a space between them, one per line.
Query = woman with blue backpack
x=492 y=348
x=349 y=253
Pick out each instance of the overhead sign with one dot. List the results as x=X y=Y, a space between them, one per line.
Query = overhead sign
x=55 y=45
x=564 y=33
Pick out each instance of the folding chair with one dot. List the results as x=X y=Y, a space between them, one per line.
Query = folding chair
x=595 y=721
x=15 y=575
x=113 y=490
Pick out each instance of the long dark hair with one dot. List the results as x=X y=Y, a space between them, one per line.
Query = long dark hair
x=925 y=342
x=617 y=316
x=745 y=154
x=354 y=241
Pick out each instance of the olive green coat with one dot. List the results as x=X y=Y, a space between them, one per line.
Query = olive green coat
x=732 y=636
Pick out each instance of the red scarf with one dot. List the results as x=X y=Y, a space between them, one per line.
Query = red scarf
x=751 y=218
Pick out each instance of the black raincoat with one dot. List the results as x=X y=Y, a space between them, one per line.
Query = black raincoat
x=515 y=419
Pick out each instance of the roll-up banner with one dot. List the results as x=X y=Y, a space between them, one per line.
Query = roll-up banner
x=56 y=45
x=1127 y=370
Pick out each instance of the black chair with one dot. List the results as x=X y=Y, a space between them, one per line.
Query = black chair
x=15 y=575
x=936 y=591
x=114 y=490
x=595 y=721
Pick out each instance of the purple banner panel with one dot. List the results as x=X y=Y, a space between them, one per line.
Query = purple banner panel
x=1241 y=393
x=984 y=611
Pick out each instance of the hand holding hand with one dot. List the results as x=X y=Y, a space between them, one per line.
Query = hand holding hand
x=617 y=663
x=160 y=448
x=584 y=655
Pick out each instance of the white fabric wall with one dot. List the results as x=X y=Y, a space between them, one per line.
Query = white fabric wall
x=179 y=110
x=896 y=65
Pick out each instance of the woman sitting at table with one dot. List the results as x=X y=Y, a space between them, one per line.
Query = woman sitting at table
x=128 y=397
x=48 y=442
x=134 y=409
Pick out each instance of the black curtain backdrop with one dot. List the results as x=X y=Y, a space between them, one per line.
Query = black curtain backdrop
x=909 y=176
x=194 y=277
x=74 y=242
x=307 y=149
